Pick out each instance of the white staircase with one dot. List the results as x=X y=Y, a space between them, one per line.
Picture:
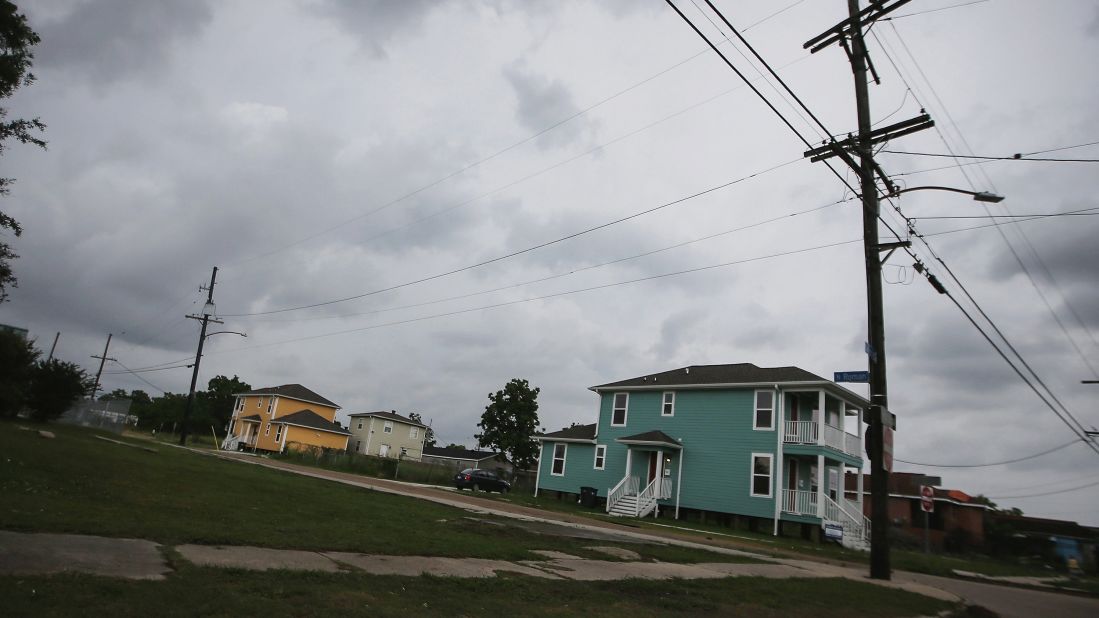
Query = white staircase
x=626 y=500
x=856 y=529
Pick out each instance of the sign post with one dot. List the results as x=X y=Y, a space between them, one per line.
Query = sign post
x=927 y=504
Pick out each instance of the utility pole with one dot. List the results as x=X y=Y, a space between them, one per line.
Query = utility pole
x=849 y=35
x=54 y=346
x=207 y=316
x=102 y=359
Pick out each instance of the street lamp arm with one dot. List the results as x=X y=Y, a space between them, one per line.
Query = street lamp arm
x=226 y=332
x=980 y=196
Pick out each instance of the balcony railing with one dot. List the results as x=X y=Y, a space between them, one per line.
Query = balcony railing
x=799 y=502
x=810 y=432
x=801 y=432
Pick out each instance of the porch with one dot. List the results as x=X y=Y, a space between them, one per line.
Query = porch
x=838 y=428
x=248 y=428
x=812 y=492
x=651 y=458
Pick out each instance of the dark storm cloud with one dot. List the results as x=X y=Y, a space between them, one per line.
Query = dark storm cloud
x=374 y=23
x=542 y=102
x=107 y=40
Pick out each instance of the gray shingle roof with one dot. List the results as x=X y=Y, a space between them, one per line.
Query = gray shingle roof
x=293 y=391
x=700 y=375
x=312 y=420
x=458 y=453
x=579 y=432
x=389 y=416
x=652 y=437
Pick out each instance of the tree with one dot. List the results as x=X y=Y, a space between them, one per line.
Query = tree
x=55 y=385
x=16 y=40
x=510 y=421
x=458 y=446
x=429 y=434
x=17 y=359
x=220 y=400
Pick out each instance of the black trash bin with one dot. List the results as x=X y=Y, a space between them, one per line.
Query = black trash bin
x=588 y=496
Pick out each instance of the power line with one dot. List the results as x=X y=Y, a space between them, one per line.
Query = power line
x=521 y=251
x=139 y=377
x=571 y=271
x=994 y=463
x=529 y=138
x=941 y=8
x=1083 y=212
x=1046 y=493
x=1015 y=157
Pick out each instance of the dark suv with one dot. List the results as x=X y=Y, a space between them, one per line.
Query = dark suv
x=486 y=480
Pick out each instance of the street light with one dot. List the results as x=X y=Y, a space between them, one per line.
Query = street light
x=980 y=196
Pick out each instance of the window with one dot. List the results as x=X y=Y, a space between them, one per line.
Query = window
x=259 y=402
x=621 y=402
x=267 y=431
x=357 y=444
x=278 y=433
x=761 y=475
x=765 y=410
x=669 y=405
x=600 y=456
x=414 y=433
x=558 y=468
x=388 y=427
x=360 y=423
x=271 y=407
x=383 y=451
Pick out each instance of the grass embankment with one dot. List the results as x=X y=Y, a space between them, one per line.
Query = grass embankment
x=198 y=591
x=79 y=484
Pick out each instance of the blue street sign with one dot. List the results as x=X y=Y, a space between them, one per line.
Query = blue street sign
x=870 y=351
x=852 y=376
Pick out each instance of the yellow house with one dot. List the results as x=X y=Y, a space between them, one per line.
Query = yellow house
x=281 y=417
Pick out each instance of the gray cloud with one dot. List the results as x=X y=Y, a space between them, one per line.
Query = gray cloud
x=107 y=40
x=541 y=103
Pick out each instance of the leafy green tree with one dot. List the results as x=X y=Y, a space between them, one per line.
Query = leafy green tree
x=219 y=400
x=17 y=359
x=453 y=445
x=118 y=393
x=510 y=421
x=16 y=40
x=429 y=434
x=55 y=385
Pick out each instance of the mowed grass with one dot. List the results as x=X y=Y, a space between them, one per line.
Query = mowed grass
x=77 y=483
x=209 y=592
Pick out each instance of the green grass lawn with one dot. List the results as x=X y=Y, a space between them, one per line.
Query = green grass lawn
x=76 y=483
x=212 y=592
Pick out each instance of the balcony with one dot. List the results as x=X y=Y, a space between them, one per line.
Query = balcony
x=814 y=433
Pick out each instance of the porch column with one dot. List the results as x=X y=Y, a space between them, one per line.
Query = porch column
x=859 y=494
x=629 y=452
x=820 y=486
x=659 y=481
x=678 y=483
x=538 y=472
x=822 y=414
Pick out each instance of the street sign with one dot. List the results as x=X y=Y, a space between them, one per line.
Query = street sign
x=852 y=376
x=927 y=499
x=887 y=448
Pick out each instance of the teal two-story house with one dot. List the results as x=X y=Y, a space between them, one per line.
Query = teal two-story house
x=770 y=444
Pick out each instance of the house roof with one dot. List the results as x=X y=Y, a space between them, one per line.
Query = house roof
x=577 y=433
x=654 y=437
x=389 y=416
x=292 y=391
x=458 y=453
x=312 y=420
x=745 y=374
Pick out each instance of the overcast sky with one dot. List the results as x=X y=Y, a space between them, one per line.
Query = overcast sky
x=316 y=150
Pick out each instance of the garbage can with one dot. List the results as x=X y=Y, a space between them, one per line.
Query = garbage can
x=588 y=496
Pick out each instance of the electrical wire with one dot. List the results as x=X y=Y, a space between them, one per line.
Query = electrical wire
x=138 y=376
x=941 y=8
x=520 y=251
x=1045 y=493
x=1016 y=157
x=994 y=463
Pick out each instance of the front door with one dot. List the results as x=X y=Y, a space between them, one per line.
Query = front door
x=791 y=484
x=652 y=467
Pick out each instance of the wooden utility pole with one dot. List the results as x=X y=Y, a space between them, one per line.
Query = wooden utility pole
x=102 y=359
x=53 y=348
x=206 y=317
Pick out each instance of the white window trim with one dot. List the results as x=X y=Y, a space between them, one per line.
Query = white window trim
x=278 y=432
x=259 y=402
x=600 y=448
x=413 y=433
x=267 y=430
x=564 y=458
x=756 y=409
x=770 y=476
x=625 y=410
x=360 y=423
x=387 y=427
x=664 y=402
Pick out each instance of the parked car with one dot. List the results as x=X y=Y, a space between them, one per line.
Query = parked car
x=486 y=480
